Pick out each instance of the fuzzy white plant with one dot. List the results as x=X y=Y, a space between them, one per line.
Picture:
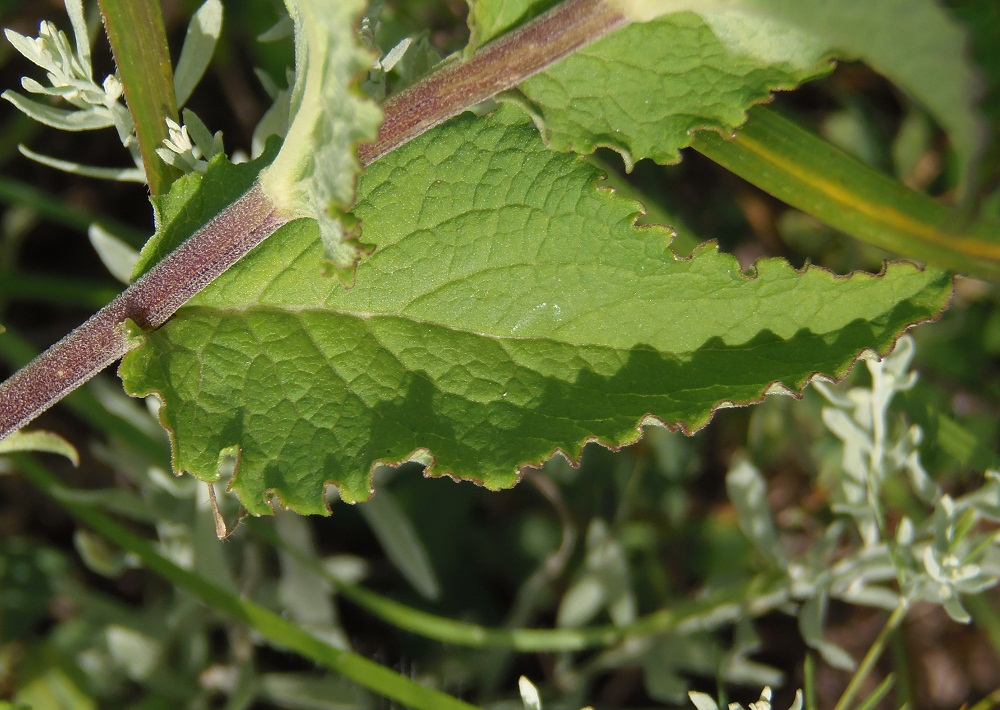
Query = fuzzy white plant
x=94 y=105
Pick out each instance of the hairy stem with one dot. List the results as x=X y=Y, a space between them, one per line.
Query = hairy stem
x=154 y=297
x=147 y=303
x=498 y=66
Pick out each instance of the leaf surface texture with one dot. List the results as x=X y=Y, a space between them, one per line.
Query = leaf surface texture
x=511 y=309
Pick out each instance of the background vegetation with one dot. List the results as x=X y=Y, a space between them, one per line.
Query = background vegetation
x=86 y=623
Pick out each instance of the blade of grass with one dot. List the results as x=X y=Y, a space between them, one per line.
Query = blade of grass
x=13 y=192
x=985 y=616
x=871 y=658
x=55 y=289
x=872 y=701
x=268 y=624
x=139 y=44
x=990 y=702
x=903 y=672
x=814 y=176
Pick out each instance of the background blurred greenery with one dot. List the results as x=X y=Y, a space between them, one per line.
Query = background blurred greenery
x=626 y=533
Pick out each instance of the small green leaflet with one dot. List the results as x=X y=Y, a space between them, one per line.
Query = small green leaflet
x=511 y=309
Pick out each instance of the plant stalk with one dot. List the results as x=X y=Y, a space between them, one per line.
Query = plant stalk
x=871 y=658
x=147 y=304
x=139 y=44
x=154 y=297
x=761 y=595
x=499 y=65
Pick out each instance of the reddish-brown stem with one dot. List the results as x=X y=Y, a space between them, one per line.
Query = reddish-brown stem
x=498 y=66
x=148 y=303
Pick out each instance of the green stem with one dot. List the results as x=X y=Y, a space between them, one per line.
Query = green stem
x=876 y=696
x=269 y=625
x=809 y=682
x=759 y=596
x=139 y=44
x=818 y=178
x=871 y=657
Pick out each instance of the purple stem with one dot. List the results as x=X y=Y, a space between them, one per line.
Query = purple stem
x=148 y=302
x=154 y=297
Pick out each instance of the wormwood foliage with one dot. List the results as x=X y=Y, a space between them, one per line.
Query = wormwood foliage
x=314 y=174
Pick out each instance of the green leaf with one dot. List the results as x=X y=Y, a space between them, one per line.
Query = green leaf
x=488 y=20
x=401 y=542
x=194 y=199
x=511 y=309
x=40 y=441
x=644 y=89
x=914 y=43
x=748 y=492
x=818 y=178
x=199 y=45
x=315 y=172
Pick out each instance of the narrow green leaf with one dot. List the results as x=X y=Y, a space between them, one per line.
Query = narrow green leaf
x=315 y=173
x=271 y=626
x=401 y=542
x=818 y=178
x=93 y=171
x=118 y=257
x=40 y=441
x=748 y=492
x=511 y=309
x=199 y=45
x=63 y=119
x=139 y=43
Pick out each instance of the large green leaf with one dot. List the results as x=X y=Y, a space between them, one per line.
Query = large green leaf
x=511 y=309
